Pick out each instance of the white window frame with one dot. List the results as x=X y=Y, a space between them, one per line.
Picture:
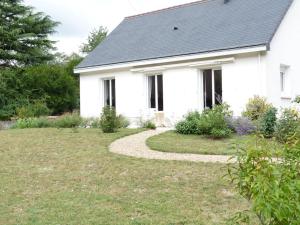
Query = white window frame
x=110 y=90
x=213 y=69
x=156 y=91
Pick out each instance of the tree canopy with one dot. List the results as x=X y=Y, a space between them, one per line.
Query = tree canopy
x=94 y=39
x=24 y=35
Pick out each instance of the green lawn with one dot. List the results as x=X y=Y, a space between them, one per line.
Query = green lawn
x=51 y=176
x=174 y=142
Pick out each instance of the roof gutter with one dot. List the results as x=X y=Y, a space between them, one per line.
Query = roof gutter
x=261 y=48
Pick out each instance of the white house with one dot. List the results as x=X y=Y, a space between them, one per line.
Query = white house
x=162 y=64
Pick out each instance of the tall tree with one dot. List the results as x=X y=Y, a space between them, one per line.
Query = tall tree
x=94 y=39
x=24 y=35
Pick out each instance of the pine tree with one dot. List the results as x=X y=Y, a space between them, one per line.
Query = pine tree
x=24 y=35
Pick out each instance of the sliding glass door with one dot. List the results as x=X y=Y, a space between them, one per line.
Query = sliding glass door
x=212 y=87
x=110 y=92
x=156 y=92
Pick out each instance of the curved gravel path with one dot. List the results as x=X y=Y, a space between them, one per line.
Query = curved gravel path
x=135 y=146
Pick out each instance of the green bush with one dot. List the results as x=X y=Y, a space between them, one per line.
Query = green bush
x=52 y=83
x=272 y=188
x=32 y=123
x=210 y=122
x=190 y=124
x=22 y=87
x=297 y=99
x=148 y=125
x=68 y=121
x=213 y=122
x=13 y=94
x=268 y=122
x=287 y=126
x=109 y=121
x=36 y=109
x=256 y=107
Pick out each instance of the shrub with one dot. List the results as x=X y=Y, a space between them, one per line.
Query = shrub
x=220 y=133
x=210 y=122
x=12 y=93
x=297 y=99
x=148 y=124
x=213 y=122
x=109 y=121
x=241 y=125
x=271 y=187
x=32 y=123
x=36 y=109
x=256 y=107
x=68 y=121
x=52 y=83
x=268 y=122
x=123 y=122
x=287 y=125
x=190 y=124
x=187 y=127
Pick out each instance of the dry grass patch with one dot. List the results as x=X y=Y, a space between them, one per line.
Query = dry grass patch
x=51 y=176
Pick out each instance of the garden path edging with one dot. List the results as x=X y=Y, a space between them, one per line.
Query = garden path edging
x=135 y=146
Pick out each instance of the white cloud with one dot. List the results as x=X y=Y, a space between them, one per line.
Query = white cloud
x=78 y=18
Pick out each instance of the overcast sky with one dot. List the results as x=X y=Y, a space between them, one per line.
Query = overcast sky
x=79 y=17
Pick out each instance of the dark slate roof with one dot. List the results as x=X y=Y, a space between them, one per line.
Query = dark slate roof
x=203 y=26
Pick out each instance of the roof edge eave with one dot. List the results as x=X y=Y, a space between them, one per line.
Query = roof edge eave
x=175 y=58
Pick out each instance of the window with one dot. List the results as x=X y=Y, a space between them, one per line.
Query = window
x=284 y=80
x=212 y=88
x=155 y=92
x=110 y=92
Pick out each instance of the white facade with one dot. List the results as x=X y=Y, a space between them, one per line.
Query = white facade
x=245 y=73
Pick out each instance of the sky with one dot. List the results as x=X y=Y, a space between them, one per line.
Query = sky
x=79 y=17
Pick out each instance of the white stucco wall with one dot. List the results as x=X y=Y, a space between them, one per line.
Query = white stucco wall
x=243 y=79
x=285 y=49
x=183 y=92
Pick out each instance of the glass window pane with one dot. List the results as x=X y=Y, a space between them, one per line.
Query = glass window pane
x=160 y=92
x=207 y=88
x=113 y=93
x=106 y=93
x=151 y=91
x=218 y=87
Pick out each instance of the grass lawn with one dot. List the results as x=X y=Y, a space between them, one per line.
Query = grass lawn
x=174 y=142
x=51 y=176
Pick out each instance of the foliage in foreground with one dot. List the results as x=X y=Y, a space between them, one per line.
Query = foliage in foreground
x=273 y=187
x=211 y=122
x=267 y=122
x=287 y=126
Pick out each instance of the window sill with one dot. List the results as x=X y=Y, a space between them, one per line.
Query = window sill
x=286 y=97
